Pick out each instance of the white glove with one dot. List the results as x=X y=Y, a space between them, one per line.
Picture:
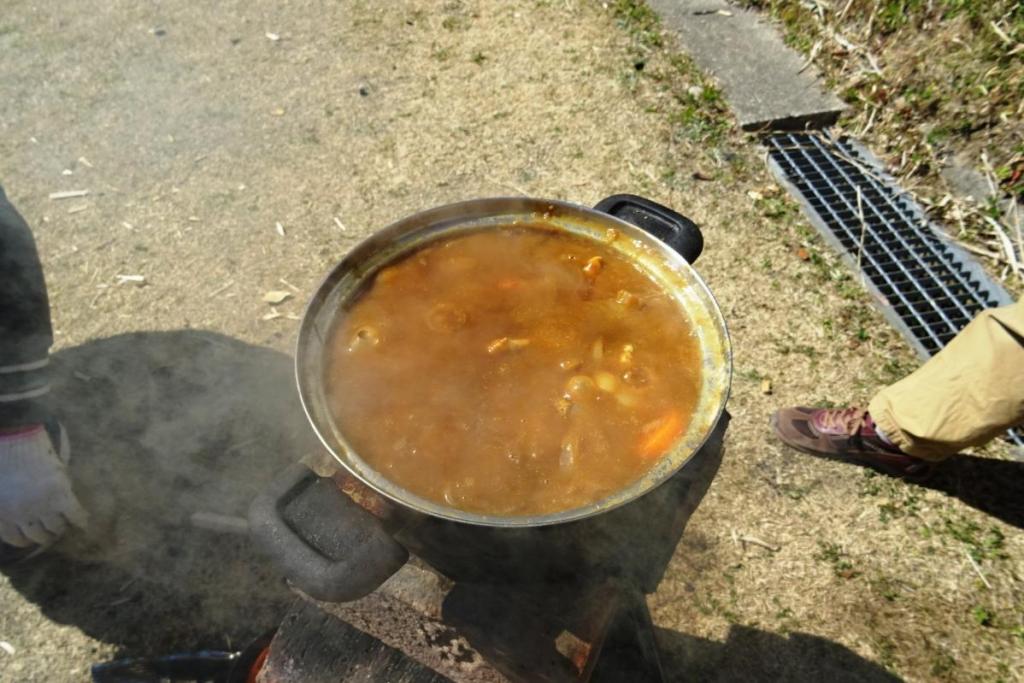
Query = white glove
x=36 y=500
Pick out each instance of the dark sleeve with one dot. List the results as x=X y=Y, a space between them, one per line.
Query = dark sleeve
x=25 y=331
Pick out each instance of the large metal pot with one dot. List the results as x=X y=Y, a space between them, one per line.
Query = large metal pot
x=660 y=241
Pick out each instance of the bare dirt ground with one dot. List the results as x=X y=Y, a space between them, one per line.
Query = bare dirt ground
x=199 y=131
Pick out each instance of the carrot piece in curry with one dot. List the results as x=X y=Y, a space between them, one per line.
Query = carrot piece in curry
x=508 y=283
x=658 y=435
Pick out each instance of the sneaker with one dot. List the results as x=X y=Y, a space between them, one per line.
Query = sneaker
x=846 y=434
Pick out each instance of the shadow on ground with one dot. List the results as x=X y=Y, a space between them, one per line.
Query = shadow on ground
x=749 y=654
x=986 y=484
x=167 y=424
x=163 y=425
x=989 y=485
x=519 y=634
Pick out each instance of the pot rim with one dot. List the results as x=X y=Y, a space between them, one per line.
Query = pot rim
x=416 y=230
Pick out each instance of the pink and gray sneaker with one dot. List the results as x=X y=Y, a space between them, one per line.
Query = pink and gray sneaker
x=846 y=434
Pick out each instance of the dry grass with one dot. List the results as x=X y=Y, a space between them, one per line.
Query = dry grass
x=930 y=81
x=913 y=579
x=214 y=122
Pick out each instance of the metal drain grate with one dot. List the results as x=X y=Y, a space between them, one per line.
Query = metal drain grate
x=925 y=285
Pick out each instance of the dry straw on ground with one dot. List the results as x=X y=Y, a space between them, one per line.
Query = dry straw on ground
x=792 y=568
x=930 y=84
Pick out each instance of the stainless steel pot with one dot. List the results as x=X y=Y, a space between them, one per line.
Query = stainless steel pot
x=660 y=241
x=666 y=265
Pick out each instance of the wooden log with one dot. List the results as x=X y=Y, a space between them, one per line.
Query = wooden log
x=312 y=646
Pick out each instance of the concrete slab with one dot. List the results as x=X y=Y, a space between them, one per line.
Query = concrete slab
x=761 y=78
x=965 y=180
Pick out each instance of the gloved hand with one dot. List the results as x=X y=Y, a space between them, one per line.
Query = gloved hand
x=36 y=500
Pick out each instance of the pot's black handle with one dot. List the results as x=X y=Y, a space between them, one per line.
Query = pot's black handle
x=671 y=227
x=327 y=546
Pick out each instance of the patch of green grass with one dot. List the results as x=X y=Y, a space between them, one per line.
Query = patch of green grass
x=640 y=21
x=478 y=58
x=794 y=491
x=751 y=375
x=982 y=616
x=973 y=9
x=728 y=608
x=871 y=483
x=886 y=651
x=888 y=511
x=981 y=544
x=894 y=369
x=828 y=268
x=833 y=554
x=799 y=41
x=696 y=125
x=451 y=23
x=904 y=506
x=785 y=616
x=775 y=207
x=700 y=114
x=992 y=208
x=894 y=14
x=886 y=587
x=903 y=500
x=441 y=54
x=942 y=665
x=802 y=349
x=937 y=135
x=923 y=99
x=712 y=606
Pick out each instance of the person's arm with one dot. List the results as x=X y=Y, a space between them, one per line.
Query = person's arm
x=36 y=500
x=25 y=331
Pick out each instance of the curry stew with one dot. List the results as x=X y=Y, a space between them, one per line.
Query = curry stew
x=513 y=371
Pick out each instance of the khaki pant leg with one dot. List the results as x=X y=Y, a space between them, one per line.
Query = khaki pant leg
x=965 y=395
